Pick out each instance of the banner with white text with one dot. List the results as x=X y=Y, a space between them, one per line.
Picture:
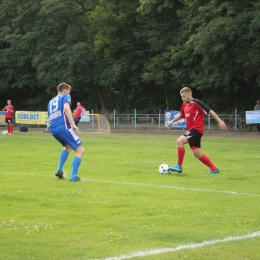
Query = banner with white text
x=170 y=115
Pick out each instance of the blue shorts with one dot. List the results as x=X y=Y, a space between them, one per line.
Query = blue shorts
x=68 y=137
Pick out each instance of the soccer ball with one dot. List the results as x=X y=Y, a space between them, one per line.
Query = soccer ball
x=164 y=169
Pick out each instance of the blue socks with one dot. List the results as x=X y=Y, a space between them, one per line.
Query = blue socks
x=75 y=163
x=63 y=157
x=75 y=166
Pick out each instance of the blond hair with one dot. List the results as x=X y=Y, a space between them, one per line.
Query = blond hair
x=63 y=86
x=185 y=90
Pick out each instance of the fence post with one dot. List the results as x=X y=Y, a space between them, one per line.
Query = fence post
x=114 y=118
x=159 y=119
x=92 y=118
x=208 y=121
x=235 y=119
x=135 y=117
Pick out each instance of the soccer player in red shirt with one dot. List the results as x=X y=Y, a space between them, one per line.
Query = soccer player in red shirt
x=193 y=110
x=9 y=116
x=78 y=113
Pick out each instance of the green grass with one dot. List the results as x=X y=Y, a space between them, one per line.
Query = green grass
x=125 y=206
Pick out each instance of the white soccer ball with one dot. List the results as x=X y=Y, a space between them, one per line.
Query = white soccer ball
x=164 y=169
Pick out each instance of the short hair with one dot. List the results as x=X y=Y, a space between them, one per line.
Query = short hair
x=63 y=86
x=185 y=90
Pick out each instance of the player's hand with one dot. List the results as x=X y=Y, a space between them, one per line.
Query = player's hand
x=222 y=125
x=169 y=125
x=75 y=128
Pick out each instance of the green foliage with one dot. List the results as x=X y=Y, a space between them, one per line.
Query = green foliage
x=223 y=39
x=130 y=54
x=125 y=206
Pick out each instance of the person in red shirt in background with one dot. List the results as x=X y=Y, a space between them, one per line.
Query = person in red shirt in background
x=9 y=116
x=193 y=111
x=78 y=113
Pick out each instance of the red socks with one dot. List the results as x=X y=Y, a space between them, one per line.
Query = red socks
x=10 y=129
x=181 y=153
x=204 y=159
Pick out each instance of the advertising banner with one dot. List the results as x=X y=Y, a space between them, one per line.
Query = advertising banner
x=31 y=117
x=171 y=114
x=85 y=116
x=2 y=118
x=253 y=117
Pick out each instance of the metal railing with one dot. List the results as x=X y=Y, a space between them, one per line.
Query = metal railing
x=235 y=122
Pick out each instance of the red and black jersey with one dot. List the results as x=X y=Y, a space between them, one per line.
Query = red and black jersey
x=78 y=111
x=8 y=110
x=194 y=113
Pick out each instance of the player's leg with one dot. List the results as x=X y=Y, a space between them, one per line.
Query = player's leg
x=63 y=158
x=79 y=152
x=76 y=120
x=73 y=141
x=11 y=126
x=63 y=155
x=181 y=141
x=7 y=125
x=204 y=159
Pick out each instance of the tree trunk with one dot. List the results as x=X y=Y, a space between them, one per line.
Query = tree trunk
x=100 y=94
x=99 y=89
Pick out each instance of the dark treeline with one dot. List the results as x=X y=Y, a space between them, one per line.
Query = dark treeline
x=126 y=54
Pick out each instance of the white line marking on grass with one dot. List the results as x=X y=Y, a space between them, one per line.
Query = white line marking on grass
x=27 y=174
x=181 y=247
x=145 y=184
x=174 y=187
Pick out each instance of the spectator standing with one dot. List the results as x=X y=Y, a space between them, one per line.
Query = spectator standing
x=193 y=110
x=64 y=130
x=9 y=112
x=78 y=113
x=257 y=107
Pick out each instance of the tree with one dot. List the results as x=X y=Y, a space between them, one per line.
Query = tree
x=17 y=49
x=161 y=27
x=224 y=40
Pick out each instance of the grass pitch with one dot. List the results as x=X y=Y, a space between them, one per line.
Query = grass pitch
x=125 y=209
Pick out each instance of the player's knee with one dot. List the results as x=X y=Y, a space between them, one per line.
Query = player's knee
x=80 y=150
x=180 y=142
x=83 y=151
x=67 y=148
x=196 y=155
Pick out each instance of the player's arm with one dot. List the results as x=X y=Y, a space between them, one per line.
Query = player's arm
x=221 y=123
x=68 y=113
x=177 y=118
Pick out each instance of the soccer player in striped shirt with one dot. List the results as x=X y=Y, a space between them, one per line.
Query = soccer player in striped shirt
x=64 y=130
x=193 y=111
